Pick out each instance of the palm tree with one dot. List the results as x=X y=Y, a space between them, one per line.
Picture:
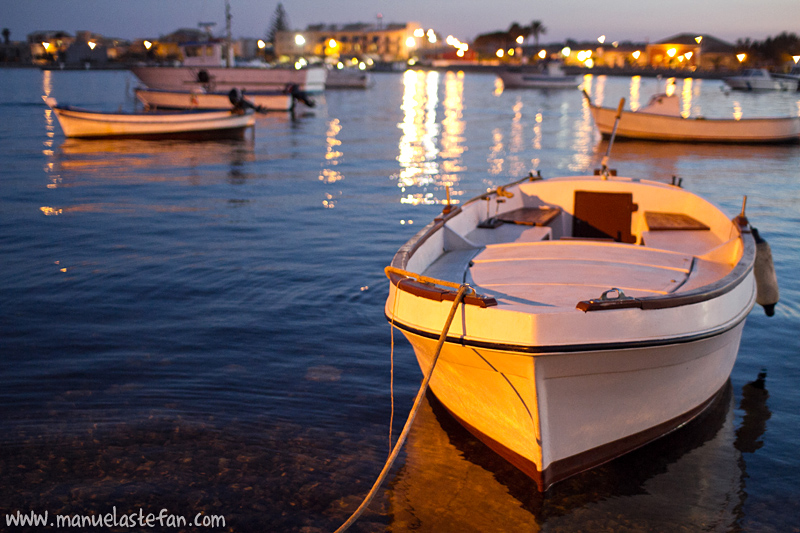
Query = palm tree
x=6 y=33
x=536 y=29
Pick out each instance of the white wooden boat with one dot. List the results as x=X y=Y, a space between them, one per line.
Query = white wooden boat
x=348 y=78
x=606 y=312
x=758 y=79
x=552 y=78
x=82 y=123
x=660 y=120
x=283 y=100
x=310 y=80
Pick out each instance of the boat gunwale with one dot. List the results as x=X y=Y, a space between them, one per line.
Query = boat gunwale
x=704 y=293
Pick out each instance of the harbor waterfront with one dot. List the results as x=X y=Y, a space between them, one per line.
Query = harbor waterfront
x=199 y=326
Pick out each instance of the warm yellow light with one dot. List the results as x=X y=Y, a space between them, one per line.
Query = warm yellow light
x=148 y=44
x=688 y=55
x=419 y=32
x=362 y=66
x=796 y=59
x=601 y=39
x=46 y=46
x=671 y=52
x=511 y=51
x=698 y=39
x=261 y=44
x=91 y=44
x=542 y=54
x=332 y=43
x=520 y=39
x=460 y=53
x=741 y=57
x=500 y=53
x=299 y=40
x=566 y=51
x=636 y=54
x=411 y=42
x=589 y=63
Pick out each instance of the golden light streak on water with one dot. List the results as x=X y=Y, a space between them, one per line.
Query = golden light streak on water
x=417 y=150
x=635 y=91
x=452 y=142
x=686 y=98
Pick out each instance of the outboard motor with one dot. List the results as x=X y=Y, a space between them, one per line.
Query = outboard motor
x=236 y=96
x=299 y=96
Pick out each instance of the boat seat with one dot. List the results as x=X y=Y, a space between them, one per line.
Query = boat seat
x=604 y=215
x=530 y=216
x=658 y=221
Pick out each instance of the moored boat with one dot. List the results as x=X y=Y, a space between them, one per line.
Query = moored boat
x=757 y=79
x=310 y=80
x=604 y=312
x=277 y=100
x=86 y=124
x=552 y=77
x=660 y=120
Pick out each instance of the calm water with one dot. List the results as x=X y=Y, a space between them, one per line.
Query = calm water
x=199 y=327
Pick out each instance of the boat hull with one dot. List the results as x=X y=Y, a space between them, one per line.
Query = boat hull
x=222 y=79
x=557 y=414
x=196 y=125
x=163 y=99
x=647 y=126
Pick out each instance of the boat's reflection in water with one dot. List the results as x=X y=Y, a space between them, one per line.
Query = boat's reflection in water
x=135 y=160
x=692 y=479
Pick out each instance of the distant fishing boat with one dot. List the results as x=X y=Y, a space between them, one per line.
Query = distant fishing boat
x=758 y=79
x=85 y=124
x=660 y=120
x=277 y=100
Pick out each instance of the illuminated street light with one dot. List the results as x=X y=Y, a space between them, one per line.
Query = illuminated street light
x=636 y=54
x=741 y=57
x=566 y=51
x=698 y=39
x=147 y=44
x=46 y=46
x=332 y=43
x=688 y=55
x=411 y=42
x=520 y=39
x=542 y=54
x=91 y=44
x=796 y=59
x=261 y=44
x=601 y=39
x=299 y=40
x=500 y=52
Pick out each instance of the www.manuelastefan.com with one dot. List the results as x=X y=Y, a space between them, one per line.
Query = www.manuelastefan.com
x=137 y=519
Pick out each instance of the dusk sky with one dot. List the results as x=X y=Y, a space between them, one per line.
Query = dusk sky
x=635 y=20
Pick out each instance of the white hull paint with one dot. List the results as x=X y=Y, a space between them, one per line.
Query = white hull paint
x=223 y=79
x=555 y=387
x=157 y=98
x=655 y=127
x=81 y=123
x=758 y=80
x=552 y=78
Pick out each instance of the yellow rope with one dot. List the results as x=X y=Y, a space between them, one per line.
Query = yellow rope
x=462 y=290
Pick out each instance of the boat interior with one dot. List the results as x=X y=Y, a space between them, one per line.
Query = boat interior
x=556 y=252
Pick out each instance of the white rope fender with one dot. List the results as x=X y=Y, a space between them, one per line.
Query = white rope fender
x=462 y=290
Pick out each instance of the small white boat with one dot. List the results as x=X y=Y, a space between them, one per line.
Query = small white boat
x=348 y=78
x=282 y=100
x=605 y=312
x=552 y=78
x=660 y=120
x=82 y=123
x=758 y=79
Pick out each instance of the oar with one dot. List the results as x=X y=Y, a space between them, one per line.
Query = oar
x=604 y=164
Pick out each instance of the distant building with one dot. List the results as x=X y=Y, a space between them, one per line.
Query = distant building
x=692 y=51
x=47 y=47
x=391 y=42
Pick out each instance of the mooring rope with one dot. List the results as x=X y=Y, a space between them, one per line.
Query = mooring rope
x=462 y=290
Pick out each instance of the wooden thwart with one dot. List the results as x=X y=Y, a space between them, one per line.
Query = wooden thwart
x=530 y=216
x=657 y=221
